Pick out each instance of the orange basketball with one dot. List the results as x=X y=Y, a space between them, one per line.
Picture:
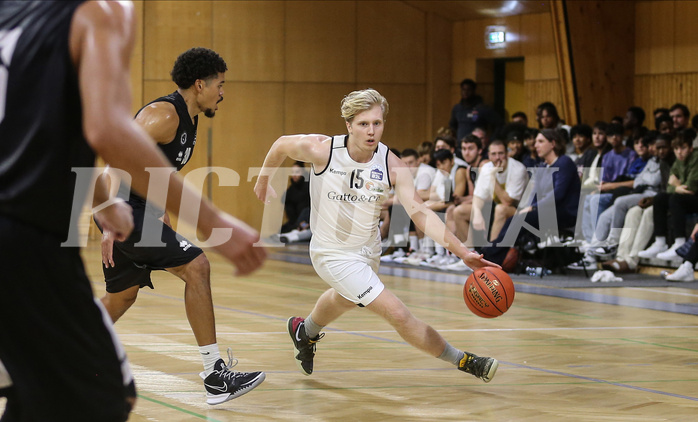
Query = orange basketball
x=511 y=260
x=488 y=292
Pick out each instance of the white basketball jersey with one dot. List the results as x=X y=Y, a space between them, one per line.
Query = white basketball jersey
x=346 y=198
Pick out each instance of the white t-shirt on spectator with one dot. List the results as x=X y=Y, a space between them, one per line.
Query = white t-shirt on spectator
x=424 y=177
x=514 y=179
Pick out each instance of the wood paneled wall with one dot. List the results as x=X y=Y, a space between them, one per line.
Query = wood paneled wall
x=531 y=38
x=602 y=40
x=289 y=65
x=666 y=64
x=291 y=62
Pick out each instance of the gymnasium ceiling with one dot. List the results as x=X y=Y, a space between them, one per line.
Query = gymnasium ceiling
x=467 y=10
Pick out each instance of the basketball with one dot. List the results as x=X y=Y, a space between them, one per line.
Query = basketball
x=511 y=260
x=488 y=292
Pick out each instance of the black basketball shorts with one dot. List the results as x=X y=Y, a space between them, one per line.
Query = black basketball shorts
x=133 y=263
x=53 y=338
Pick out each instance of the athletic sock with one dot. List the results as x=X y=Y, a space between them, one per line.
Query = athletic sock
x=414 y=243
x=210 y=355
x=451 y=354
x=311 y=328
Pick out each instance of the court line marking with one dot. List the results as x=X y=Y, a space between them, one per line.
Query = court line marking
x=601 y=381
x=426 y=275
x=593 y=297
x=454 y=330
x=665 y=292
x=177 y=408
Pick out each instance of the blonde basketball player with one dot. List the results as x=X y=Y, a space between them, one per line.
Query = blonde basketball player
x=350 y=178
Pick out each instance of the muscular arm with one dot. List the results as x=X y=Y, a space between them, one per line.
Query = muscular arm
x=313 y=149
x=101 y=41
x=160 y=121
x=425 y=219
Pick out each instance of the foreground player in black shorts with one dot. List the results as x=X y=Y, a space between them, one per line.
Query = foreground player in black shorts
x=64 y=96
x=172 y=121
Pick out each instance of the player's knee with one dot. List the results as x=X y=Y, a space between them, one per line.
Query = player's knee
x=400 y=317
x=126 y=298
x=500 y=209
x=118 y=303
x=199 y=268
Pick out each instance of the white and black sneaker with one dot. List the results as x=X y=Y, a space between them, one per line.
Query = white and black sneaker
x=223 y=384
x=587 y=262
x=603 y=252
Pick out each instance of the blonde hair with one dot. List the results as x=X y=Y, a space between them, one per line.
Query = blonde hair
x=359 y=101
x=425 y=148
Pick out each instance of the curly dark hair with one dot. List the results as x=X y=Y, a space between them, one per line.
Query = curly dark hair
x=196 y=63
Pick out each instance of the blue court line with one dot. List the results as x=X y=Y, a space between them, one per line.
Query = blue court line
x=679 y=308
x=600 y=381
x=533 y=368
x=592 y=297
x=420 y=274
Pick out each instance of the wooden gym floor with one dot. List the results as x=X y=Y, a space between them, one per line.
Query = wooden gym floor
x=589 y=358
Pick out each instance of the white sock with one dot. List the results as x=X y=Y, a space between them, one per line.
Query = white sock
x=679 y=241
x=660 y=240
x=440 y=250
x=428 y=245
x=210 y=355
x=414 y=243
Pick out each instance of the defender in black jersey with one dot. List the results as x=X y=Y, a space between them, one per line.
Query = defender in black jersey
x=64 y=96
x=172 y=121
x=56 y=343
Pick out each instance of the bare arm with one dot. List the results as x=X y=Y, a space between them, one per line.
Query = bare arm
x=478 y=220
x=461 y=182
x=101 y=41
x=313 y=149
x=608 y=186
x=424 y=194
x=425 y=219
x=160 y=121
x=503 y=196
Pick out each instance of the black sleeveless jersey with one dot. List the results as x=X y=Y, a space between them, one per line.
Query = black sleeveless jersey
x=179 y=150
x=41 y=137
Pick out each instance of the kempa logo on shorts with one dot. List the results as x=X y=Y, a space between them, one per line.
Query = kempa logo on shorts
x=184 y=245
x=365 y=293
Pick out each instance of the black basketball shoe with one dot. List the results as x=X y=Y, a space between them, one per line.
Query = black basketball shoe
x=481 y=367
x=223 y=384
x=303 y=345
